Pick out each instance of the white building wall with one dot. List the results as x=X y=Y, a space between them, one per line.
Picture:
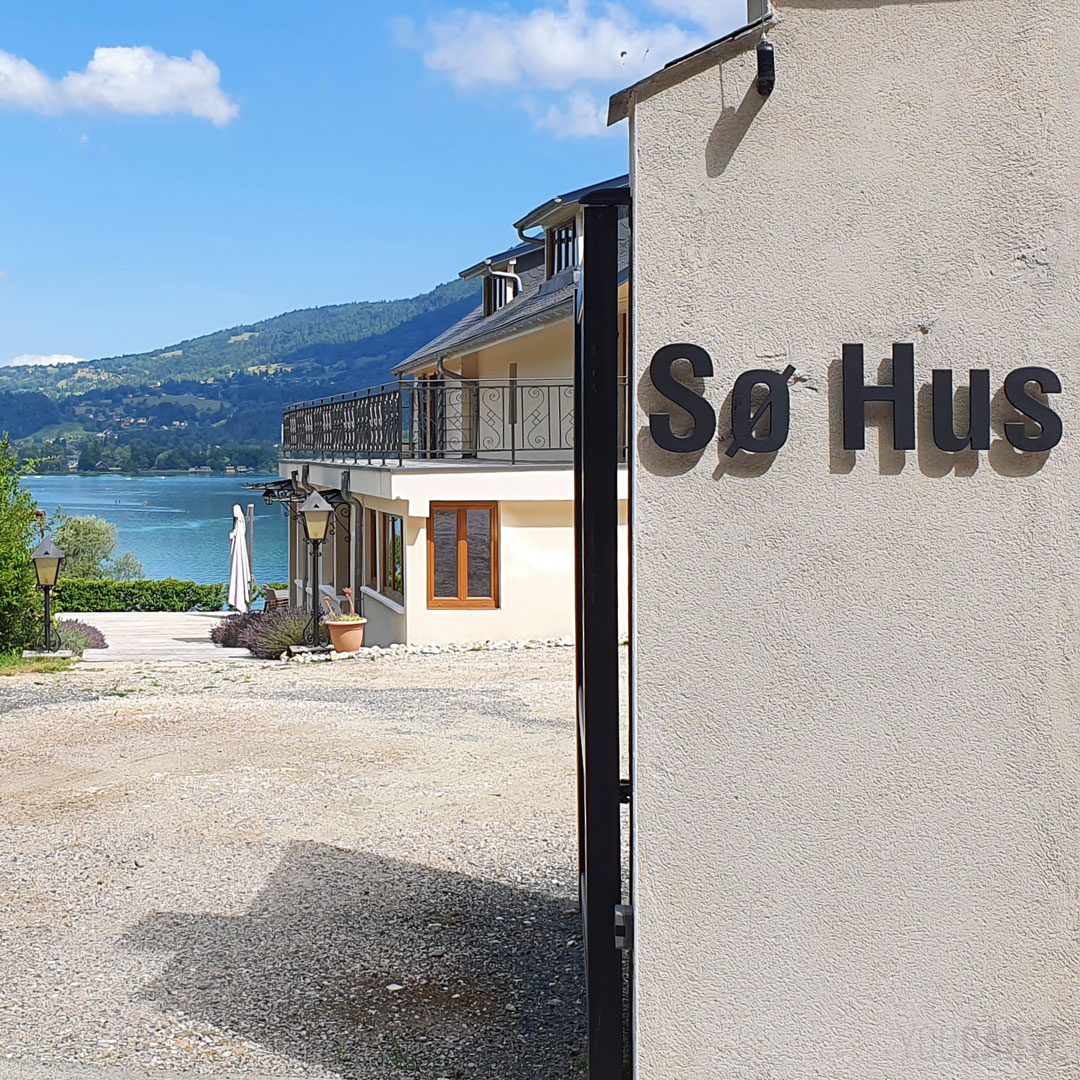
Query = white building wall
x=857 y=704
x=536 y=563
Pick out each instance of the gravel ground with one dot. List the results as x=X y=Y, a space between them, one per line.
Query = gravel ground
x=360 y=870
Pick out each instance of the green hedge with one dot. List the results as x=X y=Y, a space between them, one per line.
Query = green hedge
x=84 y=594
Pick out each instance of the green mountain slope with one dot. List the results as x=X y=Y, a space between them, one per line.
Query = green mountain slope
x=364 y=333
x=227 y=387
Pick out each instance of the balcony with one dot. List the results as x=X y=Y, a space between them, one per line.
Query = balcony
x=511 y=421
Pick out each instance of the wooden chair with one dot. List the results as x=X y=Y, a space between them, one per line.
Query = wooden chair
x=276 y=598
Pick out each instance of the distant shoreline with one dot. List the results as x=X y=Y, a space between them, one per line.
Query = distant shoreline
x=142 y=473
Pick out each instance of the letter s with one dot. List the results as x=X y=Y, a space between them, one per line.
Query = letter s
x=701 y=412
x=1018 y=397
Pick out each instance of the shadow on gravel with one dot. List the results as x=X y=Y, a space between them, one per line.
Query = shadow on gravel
x=425 y=706
x=489 y=976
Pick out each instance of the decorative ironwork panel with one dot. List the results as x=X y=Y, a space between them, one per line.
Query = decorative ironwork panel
x=511 y=420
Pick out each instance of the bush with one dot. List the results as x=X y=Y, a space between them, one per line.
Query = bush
x=80 y=594
x=20 y=599
x=269 y=635
x=77 y=636
x=227 y=632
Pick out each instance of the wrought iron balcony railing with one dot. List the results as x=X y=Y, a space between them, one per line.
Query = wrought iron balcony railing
x=515 y=420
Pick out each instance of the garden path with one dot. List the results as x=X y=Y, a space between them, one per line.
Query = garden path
x=144 y=635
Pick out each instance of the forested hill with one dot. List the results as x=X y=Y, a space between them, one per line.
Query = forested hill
x=229 y=386
x=368 y=337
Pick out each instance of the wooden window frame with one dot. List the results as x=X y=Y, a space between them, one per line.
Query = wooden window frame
x=385 y=588
x=371 y=536
x=464 y=602
x=561 y=247
x=377 y=538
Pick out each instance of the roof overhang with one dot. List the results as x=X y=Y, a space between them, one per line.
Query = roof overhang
x=562 y=206
x=496 y=262
x=708 y=56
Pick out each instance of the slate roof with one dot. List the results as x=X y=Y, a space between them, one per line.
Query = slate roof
x=539 y=303
x=561 y=203
x=545 y=302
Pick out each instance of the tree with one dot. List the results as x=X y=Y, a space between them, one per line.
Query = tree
x=88 y=544
x=124 y=568
x=20 y=600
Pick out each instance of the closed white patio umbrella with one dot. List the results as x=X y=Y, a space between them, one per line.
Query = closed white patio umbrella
x=239 y=564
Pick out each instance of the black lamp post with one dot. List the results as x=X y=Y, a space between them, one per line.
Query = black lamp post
x=47 y=559
x=316 y=512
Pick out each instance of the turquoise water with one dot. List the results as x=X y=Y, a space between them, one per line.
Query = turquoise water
x=177 y=526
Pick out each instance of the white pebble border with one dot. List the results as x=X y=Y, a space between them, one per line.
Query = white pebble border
x=394 y=652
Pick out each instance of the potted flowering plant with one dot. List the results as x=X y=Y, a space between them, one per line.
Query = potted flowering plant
x=346 y=629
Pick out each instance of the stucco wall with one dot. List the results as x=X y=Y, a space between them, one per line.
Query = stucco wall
x=856 y=736
x=385 y=619
x=536 y=548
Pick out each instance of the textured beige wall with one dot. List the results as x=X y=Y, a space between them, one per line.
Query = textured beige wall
x=385 y=619
x=536 y=555
x=547 y=353
x=856 y=731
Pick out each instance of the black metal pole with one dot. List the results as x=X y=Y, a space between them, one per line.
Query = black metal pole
x=596 y=462
x=48 y=618
x=313 y=628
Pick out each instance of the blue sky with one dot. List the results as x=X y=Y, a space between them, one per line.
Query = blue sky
x=219 y=162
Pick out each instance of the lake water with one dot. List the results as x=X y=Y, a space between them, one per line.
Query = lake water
x=177 y=526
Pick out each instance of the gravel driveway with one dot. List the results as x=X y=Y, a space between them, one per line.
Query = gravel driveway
x=360 y=870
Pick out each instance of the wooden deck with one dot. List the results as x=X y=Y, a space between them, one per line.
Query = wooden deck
x=141 y=635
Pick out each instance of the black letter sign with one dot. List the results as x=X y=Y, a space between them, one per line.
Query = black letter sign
x=1016 y=392
x=945 y=437
x=901 y=394
x=744 y=420
x=701 y=412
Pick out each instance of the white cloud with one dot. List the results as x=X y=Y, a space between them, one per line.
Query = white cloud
x=569 y=53
x=134 y=81
x=583 y=115
x=716 y=16
x=38 y=359
x=549 y=47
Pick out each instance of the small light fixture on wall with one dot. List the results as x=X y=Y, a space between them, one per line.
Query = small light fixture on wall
x=766 y=68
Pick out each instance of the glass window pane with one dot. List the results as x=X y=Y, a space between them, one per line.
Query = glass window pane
x=444 y=528
x=479 y=534
x=396 y=556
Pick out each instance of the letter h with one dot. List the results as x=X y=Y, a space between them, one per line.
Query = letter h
x=901 y=395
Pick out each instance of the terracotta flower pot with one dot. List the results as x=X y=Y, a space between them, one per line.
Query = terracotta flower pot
x=346 y=635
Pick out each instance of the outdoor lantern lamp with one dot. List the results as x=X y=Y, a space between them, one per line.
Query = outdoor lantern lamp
x=766 y=63
x=316 y=512
x=47 y=559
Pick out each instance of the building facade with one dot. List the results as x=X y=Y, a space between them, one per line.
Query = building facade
x=453 y=486
x=856 y=752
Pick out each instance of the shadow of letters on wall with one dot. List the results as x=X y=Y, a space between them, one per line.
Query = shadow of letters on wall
x=948 y=425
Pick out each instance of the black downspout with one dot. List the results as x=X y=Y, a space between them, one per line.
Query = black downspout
x=596 y=519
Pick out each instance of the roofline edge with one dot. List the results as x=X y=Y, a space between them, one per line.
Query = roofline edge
x=685 y=67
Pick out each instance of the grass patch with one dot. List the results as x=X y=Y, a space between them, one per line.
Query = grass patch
x=13 y=663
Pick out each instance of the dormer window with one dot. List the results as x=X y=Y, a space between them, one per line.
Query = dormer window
x=561 y=247
x=500 y=287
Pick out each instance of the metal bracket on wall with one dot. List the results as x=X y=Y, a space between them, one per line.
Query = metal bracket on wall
x=624 y=926
x=625 y=791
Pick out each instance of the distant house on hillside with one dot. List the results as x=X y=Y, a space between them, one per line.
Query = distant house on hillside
x=453 y=487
